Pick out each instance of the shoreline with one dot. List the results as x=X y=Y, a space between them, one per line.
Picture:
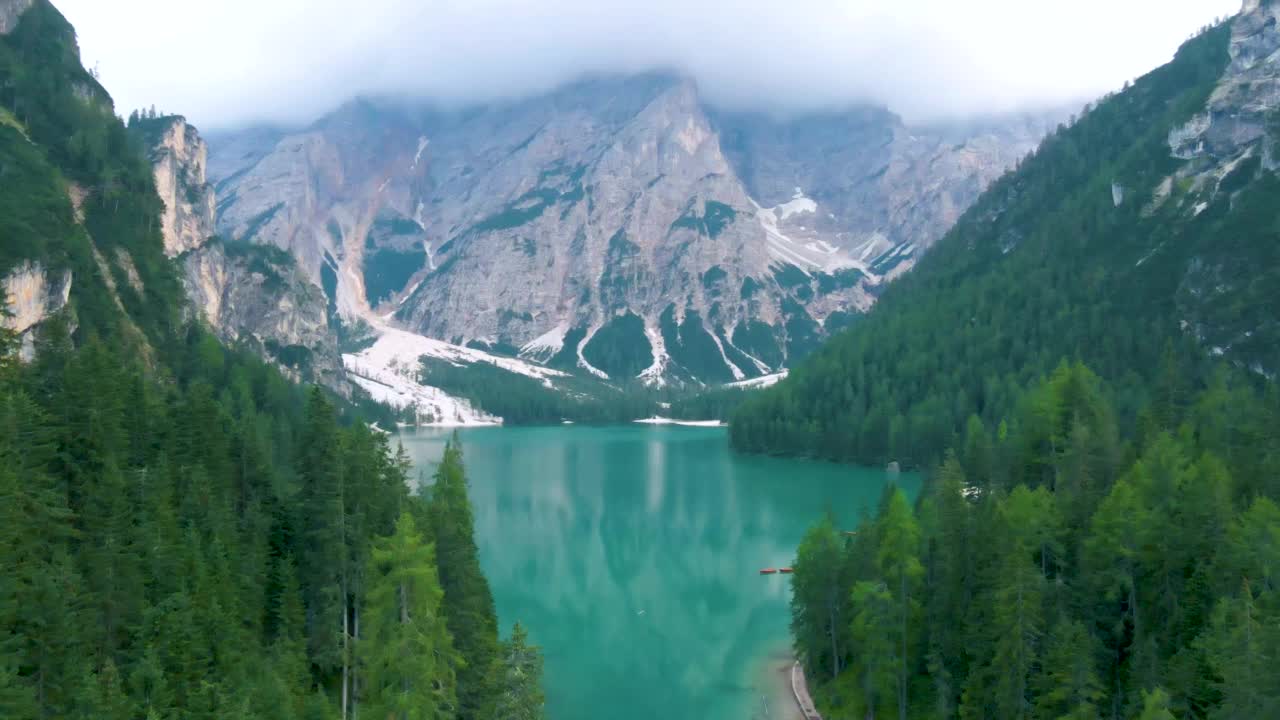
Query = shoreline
x=771 y=683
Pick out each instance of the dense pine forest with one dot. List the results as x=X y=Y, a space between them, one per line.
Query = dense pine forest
x=214 y=543
x=521 y=400
x=1053 y=569
x=185 y=533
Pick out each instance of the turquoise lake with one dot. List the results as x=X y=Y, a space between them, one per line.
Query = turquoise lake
x=632 y=554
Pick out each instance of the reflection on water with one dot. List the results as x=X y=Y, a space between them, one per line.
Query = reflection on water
x=632 y=555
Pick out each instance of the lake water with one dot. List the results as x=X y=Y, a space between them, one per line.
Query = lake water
x=632 y=554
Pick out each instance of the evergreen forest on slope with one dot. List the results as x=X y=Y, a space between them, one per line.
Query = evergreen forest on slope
x=1099 y=532
x=185 y=533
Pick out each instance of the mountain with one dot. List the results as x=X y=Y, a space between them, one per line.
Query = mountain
x=618 y=226
x=1140 y=238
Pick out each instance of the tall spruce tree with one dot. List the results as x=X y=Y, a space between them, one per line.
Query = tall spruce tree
x=820 y=600
x=521 y=695
x=406 y=651
x=473 y=620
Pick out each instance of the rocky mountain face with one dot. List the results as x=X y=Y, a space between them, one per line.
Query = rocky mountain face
x=617 y=226
x=180 y=157
x=247 y=293
x=1228 y=288
x=33 y=294
x=1141 y=237
x=885 y=191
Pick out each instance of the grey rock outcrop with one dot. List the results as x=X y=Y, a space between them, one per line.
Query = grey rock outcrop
x=1242 y=109
x=1229 y=151
x=616 y=225
x=249 y=295
x=180 y=157
x=255 y=297
x=31 y=295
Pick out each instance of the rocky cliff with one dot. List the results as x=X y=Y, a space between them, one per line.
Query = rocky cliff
x=617 y=226
x=1227 y=289
x=248 y=294
x=32 y=294
x=255 y=296
x=180 y=157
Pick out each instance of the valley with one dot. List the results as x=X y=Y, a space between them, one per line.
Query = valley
x=613 y=364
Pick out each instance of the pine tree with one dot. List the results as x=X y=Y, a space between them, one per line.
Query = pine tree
x=39 y=581
x=1242 y=644
x=522 y=697
x=288 y=621
x=1155 y=705
x=820 y=601
x=1069 y=688
x=409 y=660
x=469 y=607
x=322 y=556
x=898 y=563
x=17 y=698
x=876 y=644
x=110 y=562
x=951 y=576
x=103 y=697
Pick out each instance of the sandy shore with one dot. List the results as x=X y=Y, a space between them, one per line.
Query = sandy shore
x=773 y=687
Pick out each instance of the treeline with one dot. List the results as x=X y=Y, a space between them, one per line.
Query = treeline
x=1052 y=569
x=211 y=542
x=522 y=400
x=1047 y=265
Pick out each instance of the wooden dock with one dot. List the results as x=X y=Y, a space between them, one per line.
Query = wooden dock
x=800 y=689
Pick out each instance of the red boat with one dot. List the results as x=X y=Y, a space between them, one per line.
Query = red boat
x=785 y=571
x=768 y=571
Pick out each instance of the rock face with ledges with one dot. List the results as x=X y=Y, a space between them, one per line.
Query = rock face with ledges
x=252 y=296
x=31 y=294
x=180 y=157
x=617 y=221
x=248 y=294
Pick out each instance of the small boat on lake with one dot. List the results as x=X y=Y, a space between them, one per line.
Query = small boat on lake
x=768 y=571
x=785 y=571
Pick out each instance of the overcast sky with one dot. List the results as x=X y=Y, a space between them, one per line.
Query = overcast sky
x=230 y=62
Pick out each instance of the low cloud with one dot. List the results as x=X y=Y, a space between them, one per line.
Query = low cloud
x=236 y=62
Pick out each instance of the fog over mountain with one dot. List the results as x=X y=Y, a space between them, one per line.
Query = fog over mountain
x=238 y=62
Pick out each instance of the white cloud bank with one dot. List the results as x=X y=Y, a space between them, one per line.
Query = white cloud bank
x=230 y=62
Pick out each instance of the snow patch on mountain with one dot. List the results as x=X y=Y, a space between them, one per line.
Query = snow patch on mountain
x=422 y=146
x=760 y=382
x=798 y=204
x=389 y=371
x=582 y=360
x=546 y=345
x=809 y=257
x=737 y=372
x=653 y=375
x=431 y=406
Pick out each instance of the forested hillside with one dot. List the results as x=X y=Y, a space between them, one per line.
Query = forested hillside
x=1053 y=570
x=183 y=532
x=1086 y=545
x=1102 y=247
